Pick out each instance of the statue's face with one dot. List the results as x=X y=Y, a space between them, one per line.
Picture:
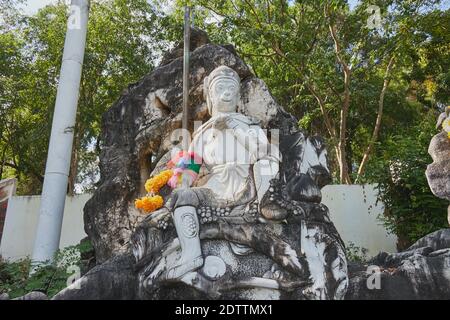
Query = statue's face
x=224 y=95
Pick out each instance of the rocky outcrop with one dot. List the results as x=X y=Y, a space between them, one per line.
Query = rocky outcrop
x=438 y=172
x=420 y=272
x=4 y=296
x=136 y=134
x=113 y=280
x=437 y=240
x=298 y=255
x=33 y=295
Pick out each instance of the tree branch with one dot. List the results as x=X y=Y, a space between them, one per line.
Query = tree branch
x=377 y=126
x=343 y=165
x=306 y=80
x=252 y=9
x=17 y=167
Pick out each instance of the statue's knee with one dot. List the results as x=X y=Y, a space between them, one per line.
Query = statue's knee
x=185 y=197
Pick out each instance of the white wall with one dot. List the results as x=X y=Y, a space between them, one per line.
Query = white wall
x=354 y=212
x=21 y=222
x=352 y=209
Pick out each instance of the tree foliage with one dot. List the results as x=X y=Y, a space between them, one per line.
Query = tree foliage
x=412 y=210
x=374 y=93
x=124 y=40
x=341 y=77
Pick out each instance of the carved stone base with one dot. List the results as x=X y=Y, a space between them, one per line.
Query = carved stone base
x=301 y=257
x=420 y=272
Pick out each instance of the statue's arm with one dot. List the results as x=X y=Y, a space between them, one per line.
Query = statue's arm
x=254 y=140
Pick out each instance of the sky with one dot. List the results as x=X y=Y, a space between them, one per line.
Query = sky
x=32 y=6
x=352 y=3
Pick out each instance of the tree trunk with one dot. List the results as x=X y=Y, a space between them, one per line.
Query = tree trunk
x=73 y=171
x=3 y=162
x=74 y=162
x=344 y=176
x=376 y=129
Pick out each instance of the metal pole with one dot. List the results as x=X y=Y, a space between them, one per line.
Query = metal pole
x=60 y=148
x=187 y=36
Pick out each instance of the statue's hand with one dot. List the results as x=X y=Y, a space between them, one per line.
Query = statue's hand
x=221 y=122
x=186 y=181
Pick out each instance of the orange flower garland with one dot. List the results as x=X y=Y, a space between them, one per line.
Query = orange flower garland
x=153 y=185
x=149 y=204
x=153 y=201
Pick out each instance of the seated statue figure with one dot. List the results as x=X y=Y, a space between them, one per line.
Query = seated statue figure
x=240 y=161
x=248 y=224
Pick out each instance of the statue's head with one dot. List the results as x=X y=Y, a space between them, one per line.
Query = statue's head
x=222 y=90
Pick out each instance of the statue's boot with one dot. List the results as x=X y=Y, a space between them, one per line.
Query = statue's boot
x=187 y=226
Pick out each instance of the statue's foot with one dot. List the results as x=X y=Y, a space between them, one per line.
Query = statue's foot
x=274 y=211
x=184 y=267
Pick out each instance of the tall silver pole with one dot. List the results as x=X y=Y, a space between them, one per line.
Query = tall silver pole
x=187 y=36
x=60 y=149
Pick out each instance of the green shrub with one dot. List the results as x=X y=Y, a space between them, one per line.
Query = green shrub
x=355 y=253
x=49 y=278
x=411 y=209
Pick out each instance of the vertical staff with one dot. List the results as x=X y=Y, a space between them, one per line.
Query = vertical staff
x=54 y=191
x=187 y=36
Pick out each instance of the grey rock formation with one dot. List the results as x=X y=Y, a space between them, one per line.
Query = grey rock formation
x=298 y=254
x=437 y=240
x=198 y=38
x=136 y=135
x=34 y=295
x=438 y=173
x=420 y=272
x=113 y=280
x=4 y=296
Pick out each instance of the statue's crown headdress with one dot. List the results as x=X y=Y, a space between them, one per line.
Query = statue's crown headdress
x=220 y=73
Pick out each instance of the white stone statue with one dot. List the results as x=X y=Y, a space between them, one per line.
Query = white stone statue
x=240 y=160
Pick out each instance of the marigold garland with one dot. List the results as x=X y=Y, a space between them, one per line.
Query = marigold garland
x=149 y=204
x=153 y=201
x=184 y=163
x=153 y=185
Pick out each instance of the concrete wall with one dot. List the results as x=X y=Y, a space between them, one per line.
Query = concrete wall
x=21 y=223
x=352 y=209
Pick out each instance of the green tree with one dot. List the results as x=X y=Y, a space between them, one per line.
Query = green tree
x=124 y=41
x=371 y=92
x=324 y=62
